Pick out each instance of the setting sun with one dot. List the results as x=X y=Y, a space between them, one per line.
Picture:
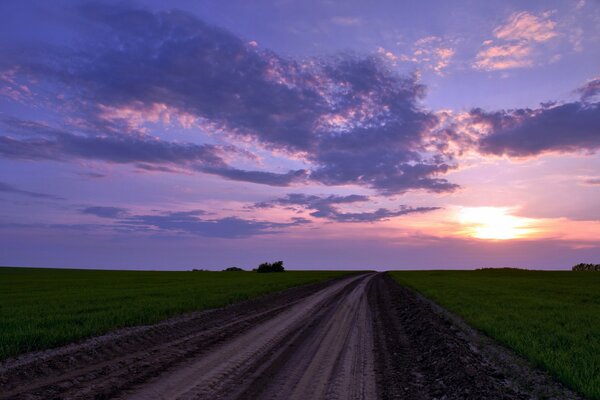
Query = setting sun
x=493 y=223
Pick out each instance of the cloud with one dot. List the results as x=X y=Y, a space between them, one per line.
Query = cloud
x=186 y=222
x=527 y=27
x=351 y=119
x=147 y=153
x=189 y=222
x=7 y=188
x=515 y=55
x=326 y=207
x=590 y=90
x=566 y=127
x=93 y=175
x=516 y=42
x=105 y=212
x=261 y=177
x=431 y=52
x=346 y=20
x=592 y=181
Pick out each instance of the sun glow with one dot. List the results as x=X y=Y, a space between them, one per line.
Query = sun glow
x=494 y=223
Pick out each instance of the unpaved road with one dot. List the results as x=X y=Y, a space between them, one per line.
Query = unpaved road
x=361 y=337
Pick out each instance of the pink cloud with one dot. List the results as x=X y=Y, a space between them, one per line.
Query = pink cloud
x=137 y=114
x=528 y=27
x=504 y=57
x=516 y=42
x=432 y=52
x=11 y=87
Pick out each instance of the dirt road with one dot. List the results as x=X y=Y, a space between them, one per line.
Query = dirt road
x=361 y=337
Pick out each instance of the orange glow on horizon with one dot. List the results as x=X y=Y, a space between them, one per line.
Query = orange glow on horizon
x=494 y=223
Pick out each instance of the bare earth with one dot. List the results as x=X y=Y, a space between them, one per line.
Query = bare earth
x=361 y=337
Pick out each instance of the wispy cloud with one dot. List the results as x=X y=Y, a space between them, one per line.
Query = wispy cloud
x=590 y=91
x=11 y=189
x=346 y=20
x=327 y=207
x=592 y=181
x=105 y=212
x=516 y=55
x=44 y=142
x=527 y=27
x=430 y=52
x=515 y=42
x=188 y=222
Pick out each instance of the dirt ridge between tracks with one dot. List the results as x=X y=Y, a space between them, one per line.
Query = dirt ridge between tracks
x=425 y=352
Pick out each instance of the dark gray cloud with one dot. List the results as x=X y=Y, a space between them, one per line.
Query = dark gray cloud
x=105 y=212
x=351 y=117
x=592 y=181
x=553 y=127
x=326 y=207
x=567 y=127
x=229 y=227
x=7 y=188
x=189 y=222
x=590 y=90
x=42 y=142
x=262 y=177
x=93 y=175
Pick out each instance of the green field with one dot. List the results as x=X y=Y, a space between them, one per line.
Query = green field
x=43 y=308
x=551 y=318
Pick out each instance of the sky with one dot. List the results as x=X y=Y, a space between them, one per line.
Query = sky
x=327 y=134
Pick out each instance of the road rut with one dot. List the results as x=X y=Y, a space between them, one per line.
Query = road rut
x=320 y=348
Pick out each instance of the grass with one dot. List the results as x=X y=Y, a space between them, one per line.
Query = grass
x=551 y=318
x=44 y=308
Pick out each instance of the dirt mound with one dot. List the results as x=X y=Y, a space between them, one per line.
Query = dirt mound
x=422 y=354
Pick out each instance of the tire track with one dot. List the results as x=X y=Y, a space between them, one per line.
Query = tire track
x=299 y=354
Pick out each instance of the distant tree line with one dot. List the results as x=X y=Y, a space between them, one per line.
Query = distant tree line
x=586 y=267
x=276 y=266
x=233 y=269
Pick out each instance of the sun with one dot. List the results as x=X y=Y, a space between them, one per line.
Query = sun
x=493 y=223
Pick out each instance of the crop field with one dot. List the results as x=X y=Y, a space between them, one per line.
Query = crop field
x=43 y=308
x=551 y=318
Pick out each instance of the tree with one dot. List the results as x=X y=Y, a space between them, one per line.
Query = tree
x=277 y=266
x=586 y=267
x=233 y=269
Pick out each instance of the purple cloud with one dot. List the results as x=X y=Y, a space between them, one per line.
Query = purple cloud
x=325 y=207
x=526 y=132
x=105 y=212
x=7 y=188
x=148 y=153
x=354 y=120
x=592 y=181
x=590 y=89
x=189 y=222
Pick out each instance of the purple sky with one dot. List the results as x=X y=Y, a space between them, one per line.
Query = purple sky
x=351 y=134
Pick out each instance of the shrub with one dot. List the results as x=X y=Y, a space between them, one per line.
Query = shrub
x=277 y=266
x=586 y=267
x=233 y=269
